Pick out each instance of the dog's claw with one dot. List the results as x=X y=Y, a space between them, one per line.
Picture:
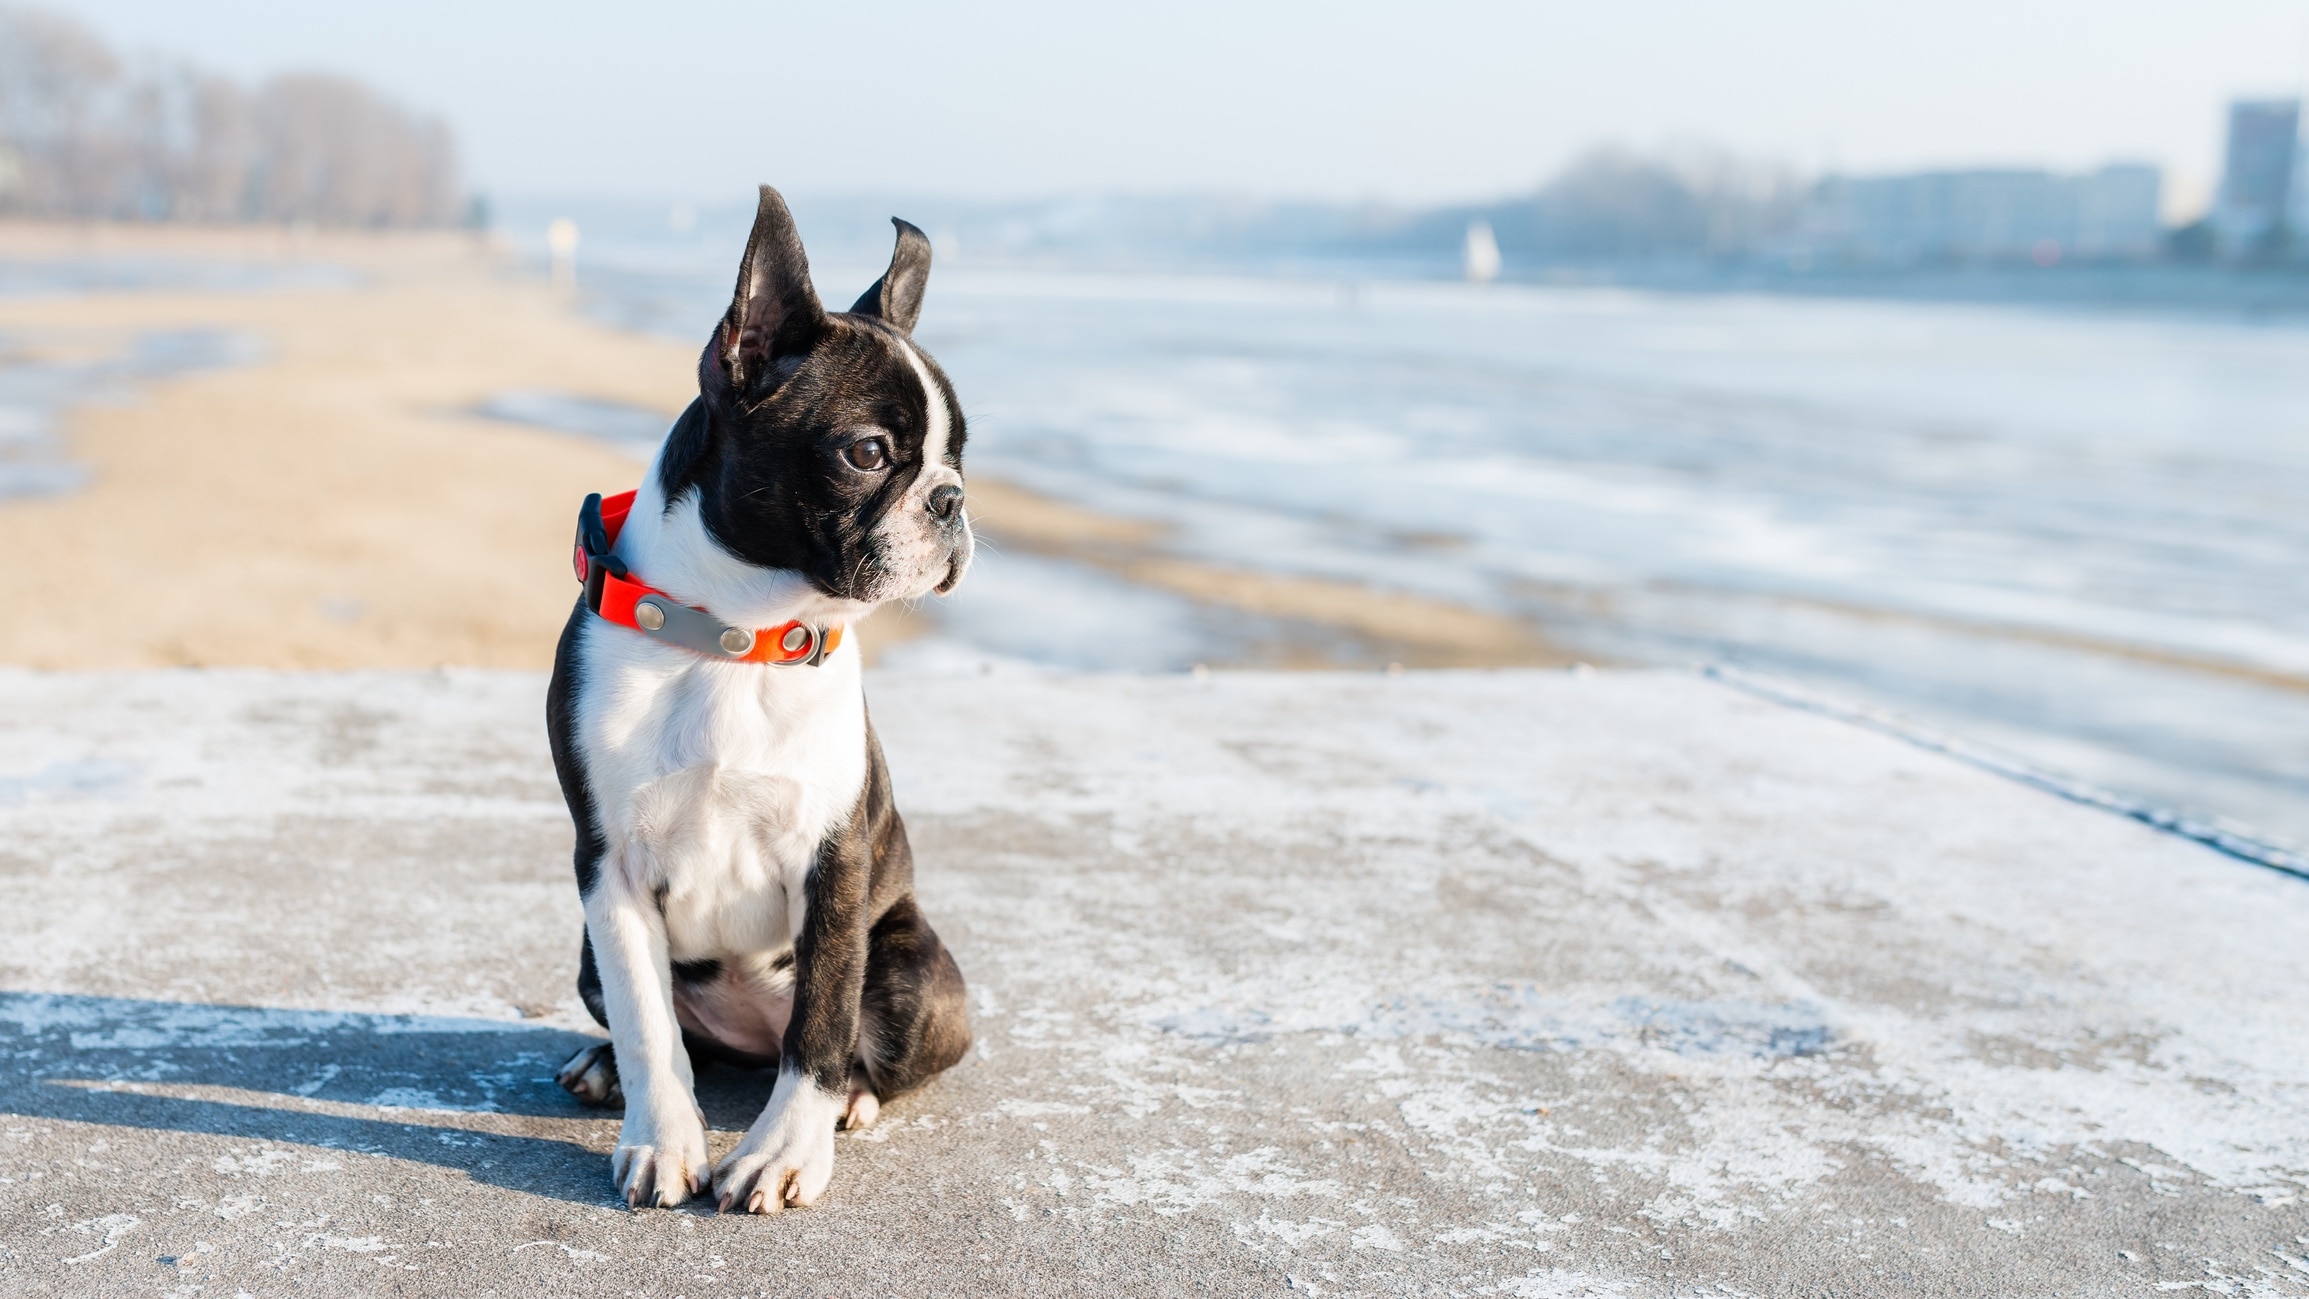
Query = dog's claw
x=772 y=1191
x=659 y=1164
x=648 y=1181
x=785 y=1162
x=591 y=1076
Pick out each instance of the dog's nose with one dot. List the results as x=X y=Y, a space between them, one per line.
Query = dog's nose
x=945 y=500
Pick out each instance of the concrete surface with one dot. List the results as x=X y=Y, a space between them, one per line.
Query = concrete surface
x=1487 y=983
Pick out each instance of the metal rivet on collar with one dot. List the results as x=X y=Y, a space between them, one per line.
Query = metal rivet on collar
x=736 y=640
x=649 y=615
x=796 y=638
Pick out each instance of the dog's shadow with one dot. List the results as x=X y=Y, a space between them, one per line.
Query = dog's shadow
x=469 y=1094
x=731 y=1095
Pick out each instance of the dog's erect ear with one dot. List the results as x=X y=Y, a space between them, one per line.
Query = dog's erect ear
x=775 y=313
x=897 y=296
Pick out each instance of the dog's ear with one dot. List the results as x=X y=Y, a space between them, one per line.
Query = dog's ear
x=897 y=297
x=774 y=315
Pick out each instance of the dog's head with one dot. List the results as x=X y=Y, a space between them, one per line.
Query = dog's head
x=823 y=443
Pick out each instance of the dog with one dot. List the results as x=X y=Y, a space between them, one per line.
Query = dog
x=747 y=884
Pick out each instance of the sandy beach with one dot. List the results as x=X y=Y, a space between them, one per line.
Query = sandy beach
x=335 y=501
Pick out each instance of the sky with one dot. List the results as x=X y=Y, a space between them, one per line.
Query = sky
x=1444 y=100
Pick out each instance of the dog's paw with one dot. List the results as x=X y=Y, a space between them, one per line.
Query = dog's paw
x=591 y=1076
x=863 y=1109
x=787 y=1158
x=660 y=1161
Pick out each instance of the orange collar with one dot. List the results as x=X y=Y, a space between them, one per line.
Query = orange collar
x=613 y=593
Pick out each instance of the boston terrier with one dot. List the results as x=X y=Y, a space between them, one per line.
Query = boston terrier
x=748 y=890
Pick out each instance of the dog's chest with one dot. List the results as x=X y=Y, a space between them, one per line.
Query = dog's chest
x=716 y=783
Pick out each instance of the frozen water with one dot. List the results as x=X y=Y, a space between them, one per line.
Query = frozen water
x=2076 y=536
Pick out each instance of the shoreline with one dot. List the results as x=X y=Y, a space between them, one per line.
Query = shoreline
x=338 y=501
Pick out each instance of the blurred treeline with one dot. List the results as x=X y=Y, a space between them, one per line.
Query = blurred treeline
x=84 y=135
x=1609 y=206
x=1613 y=204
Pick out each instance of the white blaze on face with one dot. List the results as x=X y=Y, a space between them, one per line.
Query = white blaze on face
x=916 y=550
x=941 y=427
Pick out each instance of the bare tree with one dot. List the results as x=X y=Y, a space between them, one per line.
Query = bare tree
x=56 y=84
x=81 y=137
x=336 y=154
x=1612 y=203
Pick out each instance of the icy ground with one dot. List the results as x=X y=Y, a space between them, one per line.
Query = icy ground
x=1507 y=983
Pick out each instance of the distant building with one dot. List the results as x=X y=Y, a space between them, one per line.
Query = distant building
x=2298 y=220
x=1985 y=216
x=2258 y=174
x=2120 y=211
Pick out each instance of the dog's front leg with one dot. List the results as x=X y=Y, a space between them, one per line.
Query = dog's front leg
x=661 y=1151
x=787 y=1157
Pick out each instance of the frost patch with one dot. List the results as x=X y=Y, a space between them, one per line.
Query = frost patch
x=105 y=1023
x=112 y=1227
x=1520 y=1017
x=1179 y=1181
x=572 y=1252
x=1759 y=1030
x=264 y=1162
x=1292 y=1234
x=1375 y=1236
x=1558 y=1284
x=1018 y=1109
x=61 y=782
x=1212 y=1026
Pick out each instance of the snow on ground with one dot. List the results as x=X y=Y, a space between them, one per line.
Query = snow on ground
x=1487 y=983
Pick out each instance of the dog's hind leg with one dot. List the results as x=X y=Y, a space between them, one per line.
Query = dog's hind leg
x=914 y=1020
x=591 y=1074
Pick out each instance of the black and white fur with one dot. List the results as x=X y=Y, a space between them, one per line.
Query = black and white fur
x=747 y=884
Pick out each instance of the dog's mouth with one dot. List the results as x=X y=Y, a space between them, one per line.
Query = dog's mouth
x=875 y=583
x=909 y=566
x=958 y=562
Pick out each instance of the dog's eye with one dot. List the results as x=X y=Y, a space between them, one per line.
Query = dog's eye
x=868 y=455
